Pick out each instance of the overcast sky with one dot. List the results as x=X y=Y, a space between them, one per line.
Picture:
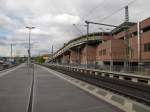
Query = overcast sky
x=54 y=21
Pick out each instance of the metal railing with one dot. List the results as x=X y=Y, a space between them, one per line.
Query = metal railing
x=142 y=70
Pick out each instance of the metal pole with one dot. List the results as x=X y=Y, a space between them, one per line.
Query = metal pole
x=90 y=22
x=111 y=61
x=29 y=60
x=126 y=40
x=139 y=44
x=87 y=43
x=29 y=50
x=78 y=55
x=11 y=52
x=52 y=54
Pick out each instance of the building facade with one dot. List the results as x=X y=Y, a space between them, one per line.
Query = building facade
x=106 y=48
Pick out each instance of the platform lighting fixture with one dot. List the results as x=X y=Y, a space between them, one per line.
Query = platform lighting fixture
x=29 y=50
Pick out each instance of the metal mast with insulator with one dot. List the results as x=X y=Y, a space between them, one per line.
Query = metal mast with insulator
x=126 y=38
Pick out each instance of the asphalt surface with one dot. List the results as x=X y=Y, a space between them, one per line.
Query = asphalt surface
x=50 y=94
x=15 y=90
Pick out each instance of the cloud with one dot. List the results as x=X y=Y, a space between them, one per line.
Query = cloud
x=66 y=19
x=53 y=20
x=6 y=22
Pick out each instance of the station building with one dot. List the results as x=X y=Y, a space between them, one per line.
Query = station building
x=105 y=48
x=115 y=48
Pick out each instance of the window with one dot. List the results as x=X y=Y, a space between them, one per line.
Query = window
x=146 y=29
x=135 y=33
x=147 y=47
x=102 y=52
x=121 y=38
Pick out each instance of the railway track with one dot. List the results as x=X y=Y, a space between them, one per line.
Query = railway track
x=136 y=91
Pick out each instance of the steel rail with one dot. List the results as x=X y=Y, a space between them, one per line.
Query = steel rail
x=138 y=92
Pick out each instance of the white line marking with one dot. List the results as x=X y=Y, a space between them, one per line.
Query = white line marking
x=107 y=98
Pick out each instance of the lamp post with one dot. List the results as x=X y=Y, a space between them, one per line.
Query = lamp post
x=11 y=51
x=29 y=50
x=52 y=53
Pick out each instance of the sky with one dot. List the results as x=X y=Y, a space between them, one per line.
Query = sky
x=53 y=21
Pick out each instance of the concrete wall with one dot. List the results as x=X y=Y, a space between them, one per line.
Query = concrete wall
x=91 y=55
x=66 y=59
x=73 y=57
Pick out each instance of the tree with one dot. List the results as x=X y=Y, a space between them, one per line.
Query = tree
x=39 y=59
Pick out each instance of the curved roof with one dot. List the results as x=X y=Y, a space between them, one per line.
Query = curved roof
x=90 y=34
x=84 y=36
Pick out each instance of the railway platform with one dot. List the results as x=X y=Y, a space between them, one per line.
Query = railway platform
x=38 y=90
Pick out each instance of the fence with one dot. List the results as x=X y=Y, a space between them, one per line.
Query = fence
x=139 y=70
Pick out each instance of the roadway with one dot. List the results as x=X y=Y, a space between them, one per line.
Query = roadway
x=50 y=93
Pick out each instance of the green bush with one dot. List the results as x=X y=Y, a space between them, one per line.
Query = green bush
x=39 y=59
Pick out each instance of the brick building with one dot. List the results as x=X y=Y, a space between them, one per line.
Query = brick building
x=115 y=49
x=107 y=48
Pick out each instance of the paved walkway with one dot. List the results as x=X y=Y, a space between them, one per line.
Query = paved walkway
x=50 y=94
x=15 y=90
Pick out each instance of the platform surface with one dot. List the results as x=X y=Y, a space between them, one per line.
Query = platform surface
x=50 y=94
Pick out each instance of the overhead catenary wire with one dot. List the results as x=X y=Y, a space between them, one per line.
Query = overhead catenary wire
x=141 y=13
x=90 y=13
x=118 y=10
x=110 y=15
x=106 y=17
x=93 y=9
x=78 y=29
